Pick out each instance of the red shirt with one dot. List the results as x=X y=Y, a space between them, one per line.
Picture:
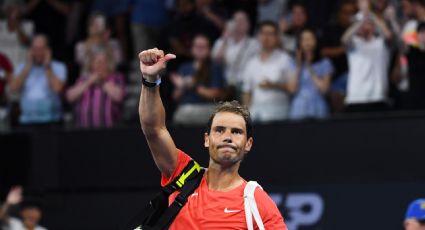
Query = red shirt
x=209 y=209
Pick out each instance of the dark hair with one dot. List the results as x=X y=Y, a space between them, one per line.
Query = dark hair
x=268 y=23
x=30 y=204
x=202 y=75
x=421 y=26
x=317 y=55
x=236 y=108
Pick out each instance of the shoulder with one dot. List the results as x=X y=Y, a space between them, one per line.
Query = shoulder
x=270 y=214
x=58 y=64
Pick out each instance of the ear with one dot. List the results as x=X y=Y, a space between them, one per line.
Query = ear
x=206 y=140
x=248 y=145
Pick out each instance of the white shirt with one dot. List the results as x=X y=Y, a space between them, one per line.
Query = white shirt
x=16 y=224
x=10 y=44
x=368 y=71
x=237 y=55
x=268 y=102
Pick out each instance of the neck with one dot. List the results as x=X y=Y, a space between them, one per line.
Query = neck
x=223 y=179
x=265 y=53
x=239 y=37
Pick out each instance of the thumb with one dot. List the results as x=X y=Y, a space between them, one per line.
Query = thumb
x=169 y=57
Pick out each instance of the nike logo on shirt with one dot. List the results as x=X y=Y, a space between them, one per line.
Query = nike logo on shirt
x=230 y=211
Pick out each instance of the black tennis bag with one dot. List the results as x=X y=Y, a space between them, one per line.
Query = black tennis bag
x=157 y=215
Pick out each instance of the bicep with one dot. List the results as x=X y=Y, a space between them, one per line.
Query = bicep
x=164 y=151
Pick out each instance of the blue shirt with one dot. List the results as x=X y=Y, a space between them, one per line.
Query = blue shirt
x=149 y=12
x=308 y=102
x=215 y=80
x=39 y=103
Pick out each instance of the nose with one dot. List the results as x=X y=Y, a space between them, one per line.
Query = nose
x=227 y=137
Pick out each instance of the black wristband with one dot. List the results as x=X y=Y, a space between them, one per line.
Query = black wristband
x=151 y=84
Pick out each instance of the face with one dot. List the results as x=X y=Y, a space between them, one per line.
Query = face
x=100 y=63
x=299 y=16
x=308 y=41
x=227 y=141
x=241 y=22
x=97 y=26
x=412 y=224
x=268 y=37
x=379 y=5
x=367 y=29
x=31 y=216
x=39 y=49
x=200 y=48
x=345 y=14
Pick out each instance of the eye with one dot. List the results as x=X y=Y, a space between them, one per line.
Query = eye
x=237 y=131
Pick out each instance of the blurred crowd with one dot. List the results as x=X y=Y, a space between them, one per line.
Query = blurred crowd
x=75 y=62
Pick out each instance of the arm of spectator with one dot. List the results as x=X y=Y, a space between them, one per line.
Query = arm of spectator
x=350 y=32
x=16 y=82
x=75 y=92
x=115 y=91
x=14 y=197
x=60 y=6
x=219 y=50
x=322 y=83
x=383 y=29
x=333 y=52
x=152 y=113
x=214 y=18
x=208 y=93
x=54 y=78
x=247 y=98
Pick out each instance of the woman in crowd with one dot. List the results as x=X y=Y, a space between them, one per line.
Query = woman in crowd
x=98 y=39
x=197 y=85
x=98 y=95
x=311 y=80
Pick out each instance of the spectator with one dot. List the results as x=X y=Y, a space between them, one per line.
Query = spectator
x=311 y=81
x=235 y=48
x=415 y=216
x=117 y=11
x=271 y=10
x=40 y=81
x=5 y=75
x=368 y=59
x=416 y=65
x=15 y=34
x=197 y=85
x=98 y=95
x=147 y=19
x=98 y=39
x=335 y=50
x=30 y=213
x=291 y=27
x=266 y=77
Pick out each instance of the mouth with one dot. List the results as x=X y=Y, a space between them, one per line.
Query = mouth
x=227 y=147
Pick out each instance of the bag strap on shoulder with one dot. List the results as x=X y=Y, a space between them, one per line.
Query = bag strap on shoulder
x=251 y=208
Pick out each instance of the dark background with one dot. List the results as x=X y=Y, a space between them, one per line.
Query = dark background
x=366 y=170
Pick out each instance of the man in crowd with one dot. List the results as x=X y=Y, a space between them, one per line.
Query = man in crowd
x=40 y=81
x=415 y=216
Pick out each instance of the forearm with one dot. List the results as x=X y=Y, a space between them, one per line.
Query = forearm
x=346 y=38
x=55 y=84
x=209 y=93
x=16 y=83
x=333 y=52
x=383 y=29
x=23 y=38
x=321 y=83
x=151 y=110
x=75 y=92
x=247 y=98
x=115 y=92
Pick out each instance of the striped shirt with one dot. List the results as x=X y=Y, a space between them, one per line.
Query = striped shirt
x=95 y=108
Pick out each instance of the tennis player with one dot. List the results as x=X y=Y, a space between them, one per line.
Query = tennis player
x=218 y=202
